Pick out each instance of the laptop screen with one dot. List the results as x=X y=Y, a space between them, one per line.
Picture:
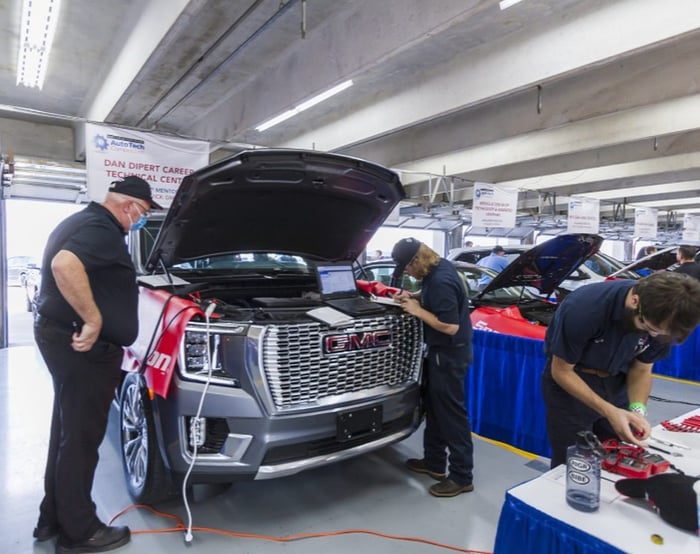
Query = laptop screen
x=336 y=280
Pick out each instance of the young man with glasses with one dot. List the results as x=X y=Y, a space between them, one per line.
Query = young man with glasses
x=601 y=346
x=443 y=307
x=87 y=311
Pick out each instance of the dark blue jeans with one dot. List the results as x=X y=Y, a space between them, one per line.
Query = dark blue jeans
x=447 y=428
x=84 y=386
x=566 y=415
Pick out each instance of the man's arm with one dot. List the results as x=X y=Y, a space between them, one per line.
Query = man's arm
x=639 y=382
x=620 y=419
x=414 y=308
x=73 y=283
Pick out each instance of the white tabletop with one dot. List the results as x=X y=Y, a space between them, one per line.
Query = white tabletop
x=627 y=524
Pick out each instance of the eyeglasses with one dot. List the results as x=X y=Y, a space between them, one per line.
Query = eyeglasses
x=146 y=212
x=654 y=332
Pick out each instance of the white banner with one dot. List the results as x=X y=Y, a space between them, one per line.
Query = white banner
x=112 y=153
x=493 y=206
x=646 y=223
x=691 y=228
x=584 y=215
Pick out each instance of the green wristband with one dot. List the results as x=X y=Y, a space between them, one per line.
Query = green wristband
x=638 y=407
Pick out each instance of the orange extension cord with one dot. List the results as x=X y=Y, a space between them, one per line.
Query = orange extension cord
x=181 y=527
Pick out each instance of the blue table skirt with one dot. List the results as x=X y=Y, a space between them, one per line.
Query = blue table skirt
x=684 y=361
x=503 y=386
x=521 y=526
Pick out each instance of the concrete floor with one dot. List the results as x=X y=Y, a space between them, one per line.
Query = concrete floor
x=373 y=492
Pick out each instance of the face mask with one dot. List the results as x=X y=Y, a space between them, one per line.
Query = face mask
x=139 y=223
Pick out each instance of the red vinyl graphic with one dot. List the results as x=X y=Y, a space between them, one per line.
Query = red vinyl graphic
x=168 y=331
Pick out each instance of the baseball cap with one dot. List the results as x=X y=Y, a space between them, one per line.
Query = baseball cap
x=137 y=188
x=404 y=251
x=670 y=494
x=497 y=249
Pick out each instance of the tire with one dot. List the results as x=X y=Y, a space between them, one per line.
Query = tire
x=147 y=480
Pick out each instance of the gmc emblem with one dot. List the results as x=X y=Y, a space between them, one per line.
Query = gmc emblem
x=352 y=342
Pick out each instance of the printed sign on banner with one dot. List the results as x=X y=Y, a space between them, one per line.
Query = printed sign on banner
x=646 y=222
x=112 y=153
x=493 y=206
x=584 y=215
x=691 y=228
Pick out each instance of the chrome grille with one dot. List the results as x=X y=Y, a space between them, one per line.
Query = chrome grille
x=298 y=372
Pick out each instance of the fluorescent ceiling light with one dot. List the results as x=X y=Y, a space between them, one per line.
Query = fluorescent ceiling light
x=504 y=4
x=39 y=18
x=304 y=106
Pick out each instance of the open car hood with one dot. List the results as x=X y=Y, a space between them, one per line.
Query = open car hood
x=319 y=205
x=657 y=261
x=546 y=265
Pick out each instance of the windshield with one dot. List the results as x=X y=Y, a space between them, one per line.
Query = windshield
x=250 y=261
x=508 y=295
x=605 y=265
x=247 y=262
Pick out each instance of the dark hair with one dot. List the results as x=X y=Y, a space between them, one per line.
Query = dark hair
x=670 y=300
x=687 y=252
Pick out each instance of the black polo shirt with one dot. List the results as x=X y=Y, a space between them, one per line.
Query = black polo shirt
x=588 y=330
x=95 y=236
x=689 y=268
x=443 y=294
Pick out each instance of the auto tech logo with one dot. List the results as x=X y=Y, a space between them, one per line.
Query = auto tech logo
x=100 y=142
x=355 y=342
x=118 y=143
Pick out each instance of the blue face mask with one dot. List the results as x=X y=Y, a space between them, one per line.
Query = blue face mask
x=139 y=223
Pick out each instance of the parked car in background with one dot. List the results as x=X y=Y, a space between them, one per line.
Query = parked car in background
x=658 y=261
x=18 y=269
x=32 y=281
x=598 y=267
x=517 y=300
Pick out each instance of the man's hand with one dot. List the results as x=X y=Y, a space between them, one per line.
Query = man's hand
x=630 y=426
x=410 y=305
x=400 y=296
x=85 y=338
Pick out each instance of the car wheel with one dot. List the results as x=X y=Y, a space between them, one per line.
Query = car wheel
x=146 y=478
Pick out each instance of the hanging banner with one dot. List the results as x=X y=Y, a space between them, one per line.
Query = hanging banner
x=493 y=206
x=112 y=153
x=584 y=215
x=691 y=228
x=646 y=223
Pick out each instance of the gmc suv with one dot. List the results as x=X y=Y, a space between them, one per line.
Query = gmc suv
x=230 y=377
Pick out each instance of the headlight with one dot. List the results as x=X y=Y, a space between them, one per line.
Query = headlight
x=200 y=351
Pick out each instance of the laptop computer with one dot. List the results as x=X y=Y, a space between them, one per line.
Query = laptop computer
x=336 y=283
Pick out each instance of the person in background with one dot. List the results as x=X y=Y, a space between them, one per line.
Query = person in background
x=496 y=260
x=443 y=307
x=646 y=251
x=686 y=257
x=601 y=346
x=468 y=243
x=87 y=310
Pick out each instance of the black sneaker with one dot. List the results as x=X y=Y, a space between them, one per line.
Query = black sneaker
x=449 y=488
x=105 y=538
x=419 y=467
x=44 y=532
